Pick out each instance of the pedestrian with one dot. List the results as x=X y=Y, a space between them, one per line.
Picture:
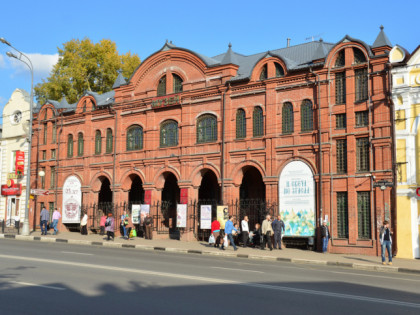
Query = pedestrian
x=83 y=224
x=245 y=231
x=229 y=229
x=215 y=231
x=55 y=217
x=148 y=224
x=109 y=226
x=44 y=217
x=325 y=234
x=267 y=231
x=236 y=232
x=385 y=237
x=102 y=223
x=122 y=226
x=278 y=227
x=255 y=236
x=128 y=224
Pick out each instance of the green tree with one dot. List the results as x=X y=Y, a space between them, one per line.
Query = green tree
x=84 y=65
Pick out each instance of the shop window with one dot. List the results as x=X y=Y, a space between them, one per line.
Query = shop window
x=240 y=124
x=135 y=138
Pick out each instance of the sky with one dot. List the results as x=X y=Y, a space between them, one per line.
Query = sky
x=38 y=28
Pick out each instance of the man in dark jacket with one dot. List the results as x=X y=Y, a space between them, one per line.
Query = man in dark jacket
x=325 y=234
x=278 y=227
x=148 y=223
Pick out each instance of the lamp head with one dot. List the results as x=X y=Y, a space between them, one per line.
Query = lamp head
x=5 y=41
x=11 y=55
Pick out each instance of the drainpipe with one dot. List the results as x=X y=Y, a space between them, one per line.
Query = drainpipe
x=115 y=153
x=57 y=157
x=319 y=143
x=222 y=160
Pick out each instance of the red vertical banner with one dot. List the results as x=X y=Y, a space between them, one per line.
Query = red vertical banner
x=20 y=163
x=184 y=196
x=147 y=197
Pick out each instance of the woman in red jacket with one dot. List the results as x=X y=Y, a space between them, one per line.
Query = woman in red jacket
x=215 y=230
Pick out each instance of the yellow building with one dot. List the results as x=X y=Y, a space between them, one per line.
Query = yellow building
x=406 y=98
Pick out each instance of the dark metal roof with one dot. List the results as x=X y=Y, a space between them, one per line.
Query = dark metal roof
x=381 y=40
x=119 y=81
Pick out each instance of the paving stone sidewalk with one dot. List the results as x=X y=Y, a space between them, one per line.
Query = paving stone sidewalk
x=287 y=254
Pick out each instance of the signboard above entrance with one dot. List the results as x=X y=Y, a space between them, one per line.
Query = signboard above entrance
x=166 y=101
x=13 y=190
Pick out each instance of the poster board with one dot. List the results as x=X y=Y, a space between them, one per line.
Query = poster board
x=222 y=215
x=181 y=217
x=205 y=217
x=72 y=200
x=135 y=214
x=144 y=210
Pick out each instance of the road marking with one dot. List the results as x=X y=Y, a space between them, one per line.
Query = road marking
x=245 y=270
x=218 y=281
x=37 y=285
x=382 y=277
x=77 y=253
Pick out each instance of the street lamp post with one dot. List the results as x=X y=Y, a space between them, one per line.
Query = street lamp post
x=25 y=228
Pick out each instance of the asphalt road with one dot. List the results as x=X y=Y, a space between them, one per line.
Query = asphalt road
x=44 y=278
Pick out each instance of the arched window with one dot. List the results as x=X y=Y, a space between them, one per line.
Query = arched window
x=307 y=116
x=80 y=144
x=263 y=73
x=161 y=89
x=359 y=56
x=207 y=129
x=109 y=140
x=340 y=61
x=169 y=133
x=134 y=138
x=279 y=70
x=70 y=146
x=258 y=122
x=240 y=124
x=177 y=83
x=98 y=142
x=287 y=118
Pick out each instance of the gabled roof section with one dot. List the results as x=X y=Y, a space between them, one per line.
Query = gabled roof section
x=381 y=40
x=119 y=81
x=321 y=51
x=229 y=57
x=103 y=99
x=348 y=38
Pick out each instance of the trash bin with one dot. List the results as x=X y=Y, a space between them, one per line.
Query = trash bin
x=17 y=222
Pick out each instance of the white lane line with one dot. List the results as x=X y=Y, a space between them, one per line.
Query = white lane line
x=382 y=277
x=234 y=269
x=36 y=285
x=75 y=253
x=218 y=281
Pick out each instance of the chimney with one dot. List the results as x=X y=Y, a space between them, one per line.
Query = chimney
x=288 y=42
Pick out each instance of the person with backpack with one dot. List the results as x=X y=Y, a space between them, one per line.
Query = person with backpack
x=109 y=226
x=385 y=237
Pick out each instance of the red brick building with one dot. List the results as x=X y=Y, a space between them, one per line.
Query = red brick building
x=221 y=129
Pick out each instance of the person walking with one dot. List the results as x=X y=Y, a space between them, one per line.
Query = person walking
x=148 y=224
x=385 y=237
x=102 y=223
x=325 y=234
x=245 y=231
x=267 y=231
x=229 y=229
x=83 y=224
x=278 y=227
x=55 y=217
x=44 y=217
x=109 y=226
x=215 y=231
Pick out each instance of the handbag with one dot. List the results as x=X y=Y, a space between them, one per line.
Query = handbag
x=225 y=241
x=133 y=233
x=211 y=239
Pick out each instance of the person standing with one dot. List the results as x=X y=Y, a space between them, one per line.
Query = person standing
x=245 y=231
x=109 y=226
x=325 y=234
x=55 y=217
x=148 y=224
x=267 y=231
x=385 y=237
x=215 y=231
x=128 y=227
x=229 y=228
x=278 y=227
x=83 y=224
x=122 y=225
x=102 y=223
x=44 y=217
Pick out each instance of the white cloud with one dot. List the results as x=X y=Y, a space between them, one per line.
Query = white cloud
x=2 y=62
x=42 y=64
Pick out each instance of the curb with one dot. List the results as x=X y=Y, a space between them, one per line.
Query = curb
x=356 y=266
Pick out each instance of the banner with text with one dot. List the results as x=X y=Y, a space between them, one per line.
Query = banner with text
x=205 y=219
x=222 y=215
x=135 y=214
x=72 y=200
x=181 y=218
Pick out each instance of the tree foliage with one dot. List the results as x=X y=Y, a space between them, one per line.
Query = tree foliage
x=82 y=66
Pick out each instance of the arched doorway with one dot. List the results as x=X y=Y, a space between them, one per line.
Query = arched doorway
x=169 y=201
x=208 y=194
x=105 y=195
x=136 y=192
x=252 y=196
